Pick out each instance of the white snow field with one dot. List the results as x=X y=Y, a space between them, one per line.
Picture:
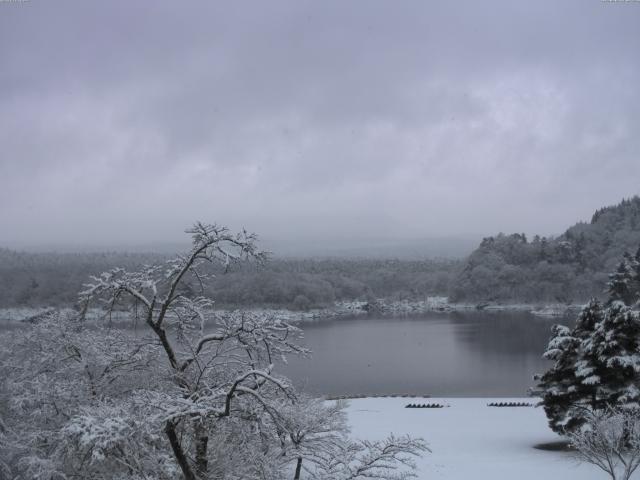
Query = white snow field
x=471 y=441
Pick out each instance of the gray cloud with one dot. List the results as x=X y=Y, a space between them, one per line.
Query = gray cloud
x=123 y=122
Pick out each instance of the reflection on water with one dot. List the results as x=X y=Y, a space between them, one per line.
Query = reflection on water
x=457 y=354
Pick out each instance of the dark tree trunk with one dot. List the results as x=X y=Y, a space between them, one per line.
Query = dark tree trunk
x=298 y=469
x=202 y=440
x=162 y=335
x=181 y=458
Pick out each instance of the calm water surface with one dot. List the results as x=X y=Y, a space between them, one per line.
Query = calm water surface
x=442 y=354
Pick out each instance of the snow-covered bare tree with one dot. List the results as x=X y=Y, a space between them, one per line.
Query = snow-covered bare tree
x=390 y=459
x=316 y=430
x=219 y=365
x=188 y=392
x=5 y=449
x=67 y=394
x=321 y=447
x=610 y=440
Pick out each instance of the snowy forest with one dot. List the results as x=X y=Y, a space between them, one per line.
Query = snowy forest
x=52 y=279
x=569 y=268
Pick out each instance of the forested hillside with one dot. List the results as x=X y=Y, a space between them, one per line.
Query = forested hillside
x=53 y=279
x=569 y=268
x=506 y=268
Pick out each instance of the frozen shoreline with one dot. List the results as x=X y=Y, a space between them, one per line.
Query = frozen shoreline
x=429 y=305
x=345 y=309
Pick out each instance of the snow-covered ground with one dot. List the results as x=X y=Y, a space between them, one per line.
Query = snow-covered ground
x=471 y=441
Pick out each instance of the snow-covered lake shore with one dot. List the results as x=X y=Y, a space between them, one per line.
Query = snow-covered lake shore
x=471 y=441
x=349 y=308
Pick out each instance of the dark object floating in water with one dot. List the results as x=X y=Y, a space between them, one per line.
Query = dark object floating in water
x=509 y=404
x=424 y=405
x=374 y=395
x=559 y=446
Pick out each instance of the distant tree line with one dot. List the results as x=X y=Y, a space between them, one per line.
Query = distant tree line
x=572 y=267
x=569 y=268
x=308 y=283
x=53 y=279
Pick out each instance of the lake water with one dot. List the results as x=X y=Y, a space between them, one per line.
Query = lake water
x=441 y=354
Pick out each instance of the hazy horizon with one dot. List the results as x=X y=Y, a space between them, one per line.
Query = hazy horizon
x=446 y=246
x=314 y=123
x=437 y=247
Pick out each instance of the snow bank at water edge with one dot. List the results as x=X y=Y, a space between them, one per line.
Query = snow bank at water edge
x=340 y=309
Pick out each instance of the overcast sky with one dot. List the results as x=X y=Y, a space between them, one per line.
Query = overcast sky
x=123 y=122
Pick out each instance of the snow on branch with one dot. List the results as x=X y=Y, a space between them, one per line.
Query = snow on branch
x=610 y=440
x=389 y=459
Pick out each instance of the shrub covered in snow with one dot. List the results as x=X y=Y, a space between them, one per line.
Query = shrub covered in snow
x=610 y=440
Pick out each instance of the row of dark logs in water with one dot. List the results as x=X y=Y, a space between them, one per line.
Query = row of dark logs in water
x=493 y=404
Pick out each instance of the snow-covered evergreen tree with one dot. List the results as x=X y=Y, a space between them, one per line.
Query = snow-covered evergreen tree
x=615 y=348
x=569 y=384
x=597 y=363
x=623 y=283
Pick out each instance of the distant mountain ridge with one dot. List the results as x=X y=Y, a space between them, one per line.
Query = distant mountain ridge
x=572 y=267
